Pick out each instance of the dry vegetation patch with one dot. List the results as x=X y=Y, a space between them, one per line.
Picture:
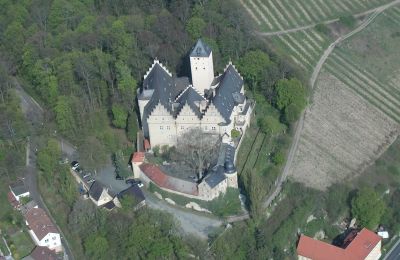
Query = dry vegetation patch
x=342 y=135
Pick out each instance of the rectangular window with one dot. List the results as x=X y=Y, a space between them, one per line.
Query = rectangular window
x=182 y=127
x=213 y=128
x=161 y=127
x=168 y=127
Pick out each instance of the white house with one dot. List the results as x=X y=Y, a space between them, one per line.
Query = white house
x=170 y=106
x=42 y=230
x=99 y=194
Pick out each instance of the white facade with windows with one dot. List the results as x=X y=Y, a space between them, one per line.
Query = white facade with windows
x=170 y=106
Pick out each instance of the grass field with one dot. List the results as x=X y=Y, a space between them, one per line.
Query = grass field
x=21 y=244
x=277 y=15
x=355 y=114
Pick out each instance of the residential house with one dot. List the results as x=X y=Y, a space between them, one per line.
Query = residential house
x=42 y=230
x=19 y=190
x=100 y=194
x=363 y=245
x=133 y=192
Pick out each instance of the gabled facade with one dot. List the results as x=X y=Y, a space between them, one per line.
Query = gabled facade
x=169 y=106
x=42 y=230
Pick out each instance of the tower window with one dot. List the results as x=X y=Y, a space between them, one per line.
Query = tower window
x=161 y=127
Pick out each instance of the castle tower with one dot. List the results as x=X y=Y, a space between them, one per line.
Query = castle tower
x=202 y=67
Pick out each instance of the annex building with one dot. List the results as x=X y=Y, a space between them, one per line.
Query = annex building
x=169 y=105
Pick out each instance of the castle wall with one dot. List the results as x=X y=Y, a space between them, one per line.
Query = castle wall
x=162 y=128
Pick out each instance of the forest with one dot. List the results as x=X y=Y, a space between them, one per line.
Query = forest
x=83 y=61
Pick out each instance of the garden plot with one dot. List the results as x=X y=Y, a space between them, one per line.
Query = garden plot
x=276 y=15
x=342 y=135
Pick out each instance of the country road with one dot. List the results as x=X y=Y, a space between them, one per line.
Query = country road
x=34 y=116
x=299 y=126
x=305 y=27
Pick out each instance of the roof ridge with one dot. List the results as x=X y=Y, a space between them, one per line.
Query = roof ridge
x=234 y=67
x=156 y=61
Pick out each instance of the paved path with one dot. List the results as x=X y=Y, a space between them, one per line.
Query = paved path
x=299 y=127
x=301 y=28
x=394 y=253
x=34 y=116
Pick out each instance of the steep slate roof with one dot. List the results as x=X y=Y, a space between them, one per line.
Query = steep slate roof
x=224 y=100
x=165 y=87
x=43 y=253
x=109 y=205
x=18 y=188
x=40 y=223
x=216 y=176
x=359 y=248
x=190 y=96
x=133 y=191
x=96 y=190
x=201 y=49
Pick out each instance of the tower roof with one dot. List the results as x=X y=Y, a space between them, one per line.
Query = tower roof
x=201 y=49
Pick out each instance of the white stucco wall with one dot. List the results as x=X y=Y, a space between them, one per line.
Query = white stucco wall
x=51 y=241
x=202 y=69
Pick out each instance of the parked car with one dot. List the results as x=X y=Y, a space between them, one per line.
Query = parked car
x=74 y=165
x=134 y=182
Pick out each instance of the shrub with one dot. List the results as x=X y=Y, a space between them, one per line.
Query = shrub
x=322 y=28
x=347 y=20
x=235 y=133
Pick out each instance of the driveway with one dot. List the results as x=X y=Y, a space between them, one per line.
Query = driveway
x=190 y=222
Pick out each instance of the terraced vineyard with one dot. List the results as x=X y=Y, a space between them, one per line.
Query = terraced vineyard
x=303 y=47
x=277 y=15
x=355 y=114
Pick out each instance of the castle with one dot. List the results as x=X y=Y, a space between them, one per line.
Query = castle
x=169 y=105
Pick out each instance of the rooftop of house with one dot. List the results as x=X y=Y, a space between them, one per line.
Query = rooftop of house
x=13 y=201
x=109 y=205
x=40 y=223
x=359 y=248
x=42 y=253
x=135 y=192
x=168 y=182
x=138 y=157
x=19 y=188
x=201 y=49
x=215 y=176
x=96 y=190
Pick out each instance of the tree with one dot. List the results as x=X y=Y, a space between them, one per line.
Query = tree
x=290 y=98
x=64 y=115
x=195 y=27
x=96 y=246
x=198 y=149
x=367 y=207
x=270 y=125
x=119 y=116
x=253 y=65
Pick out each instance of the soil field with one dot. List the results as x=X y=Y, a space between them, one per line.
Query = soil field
x=355 y=110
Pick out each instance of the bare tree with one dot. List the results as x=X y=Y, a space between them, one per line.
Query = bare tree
x=198 y=149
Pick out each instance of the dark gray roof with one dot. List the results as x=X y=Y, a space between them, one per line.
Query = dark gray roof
x=216 y=176
x=192 y=98
x=201 y=49
x=165 y=90
x=19 y=188
x=133 y=191
x=95 y=190
x=224 y=100
x=109 y=205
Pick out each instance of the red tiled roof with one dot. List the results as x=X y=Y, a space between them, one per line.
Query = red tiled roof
x=40 y=223
x=43 y=253
x=146 y=144
x=138 y=157
x=163 y=180
x=358 y=249
x=13 y=201
x=362 y=245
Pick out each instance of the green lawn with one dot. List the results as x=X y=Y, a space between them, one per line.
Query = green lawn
x=21 y=244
